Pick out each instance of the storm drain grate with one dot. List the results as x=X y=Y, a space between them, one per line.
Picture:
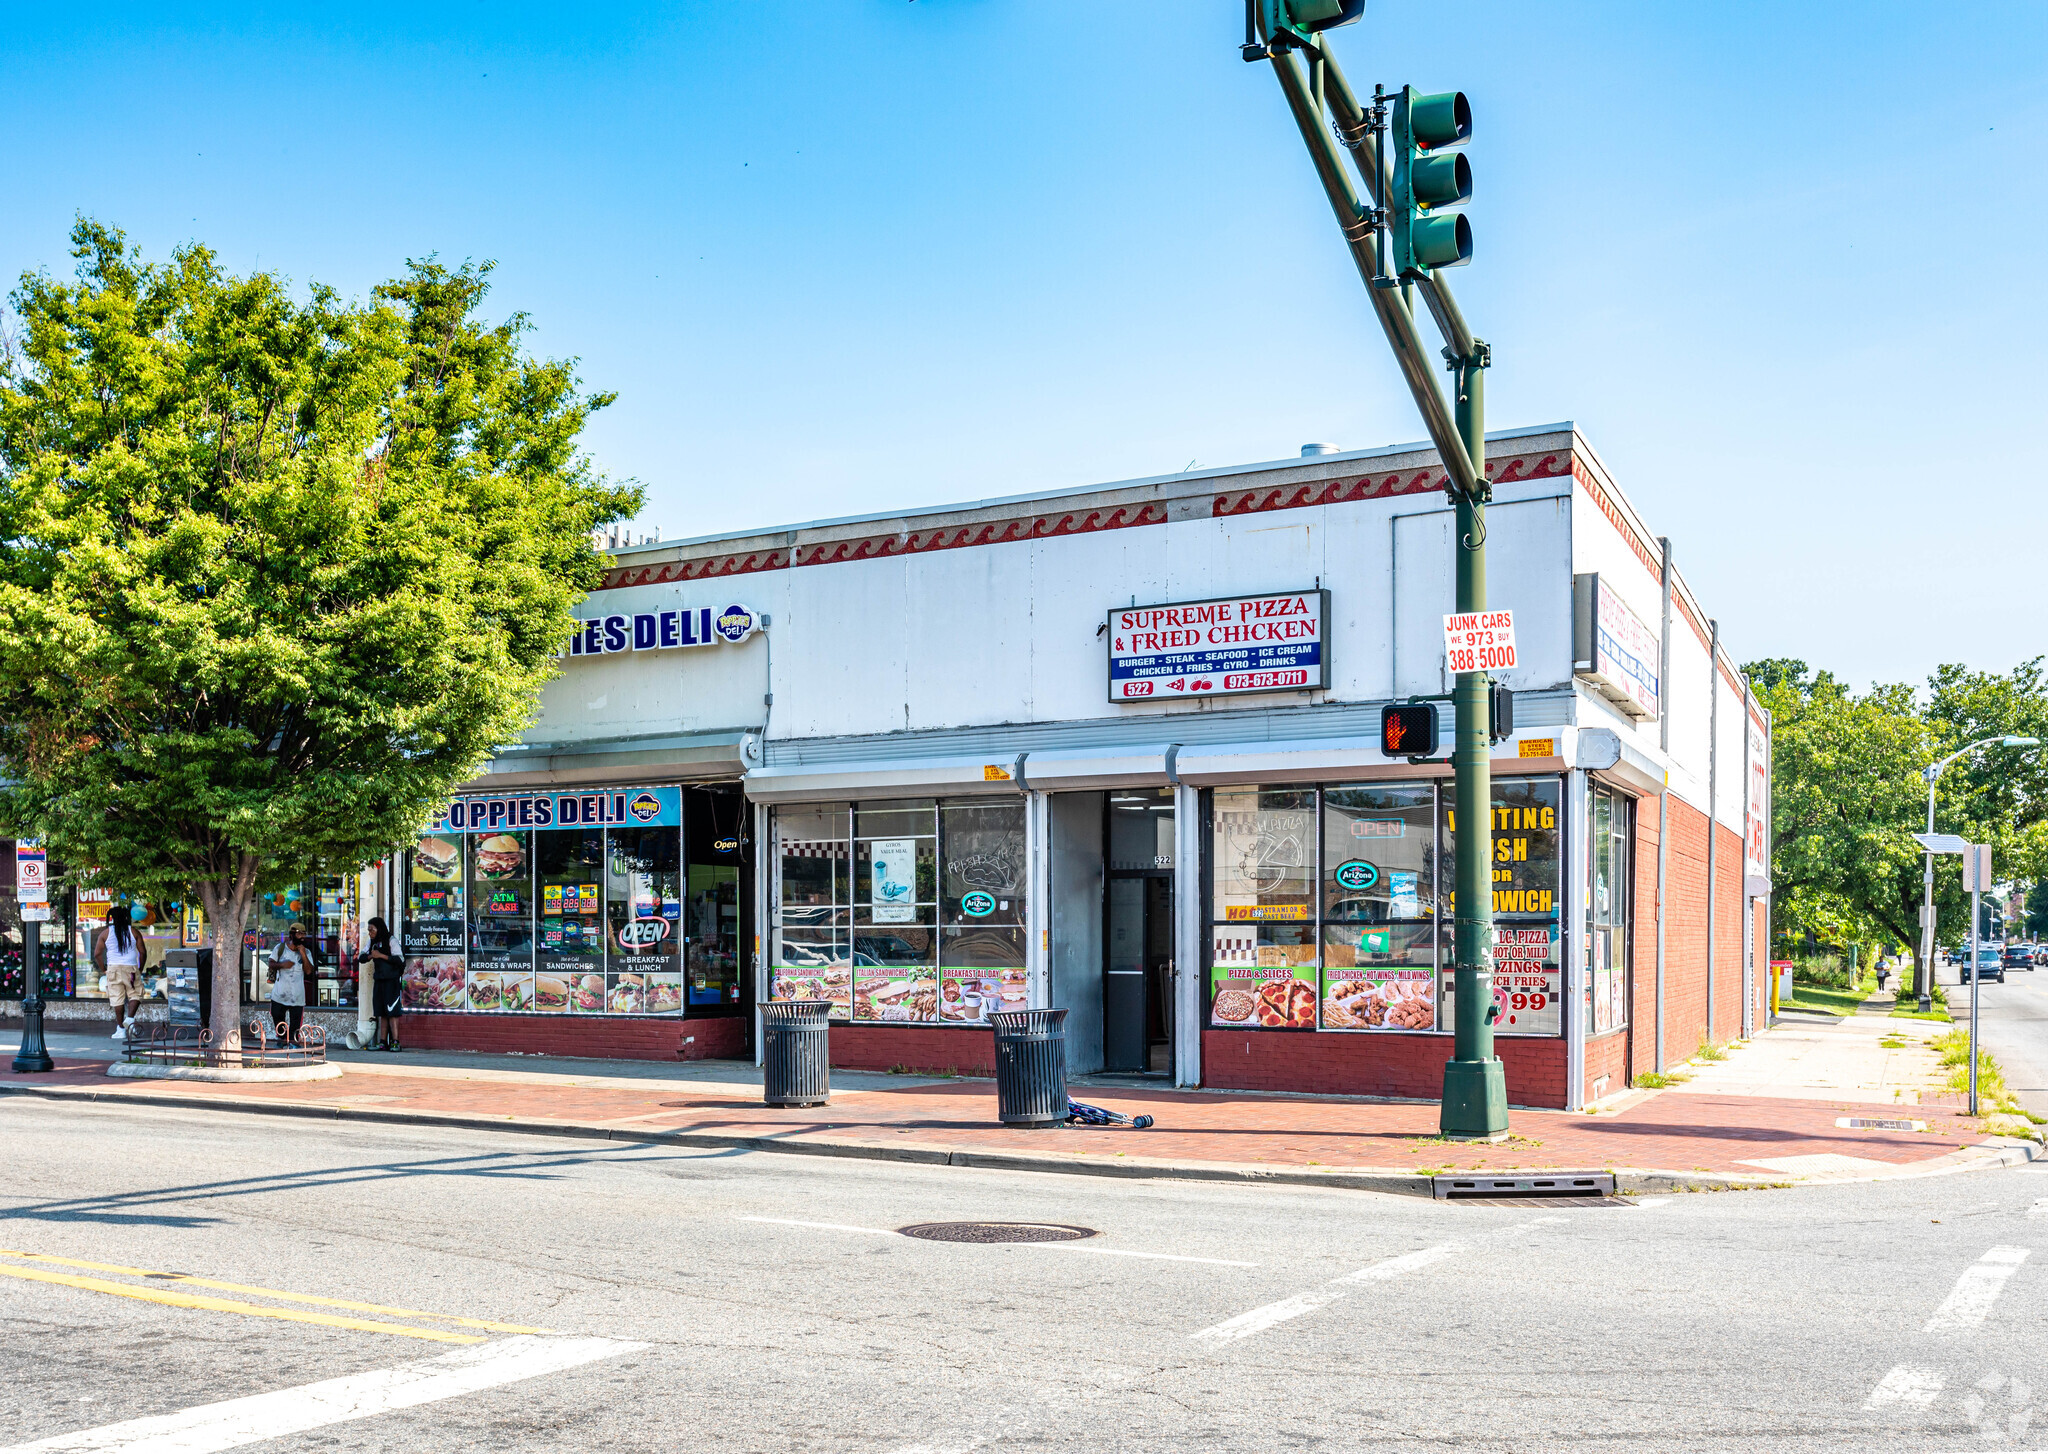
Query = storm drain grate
x=1872 y=1123
x=996 y=1232
x=1471 y=1188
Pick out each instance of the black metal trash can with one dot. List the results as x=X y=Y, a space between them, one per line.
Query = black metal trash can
x=796 y=1053
x=1031 y=1067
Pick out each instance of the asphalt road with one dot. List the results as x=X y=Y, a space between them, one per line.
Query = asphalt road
x=687 y=1304
x=2013 y=1026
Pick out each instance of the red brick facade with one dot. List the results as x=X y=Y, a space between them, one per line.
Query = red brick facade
x=1371 y=1065
x=599 y=1037
x=919 y=1048
x=1685 y=946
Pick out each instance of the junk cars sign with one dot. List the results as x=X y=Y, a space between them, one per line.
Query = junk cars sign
x=1220 y=648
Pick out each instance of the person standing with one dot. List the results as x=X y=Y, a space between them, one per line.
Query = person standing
x=387 y=982
x=119 y=953
x=291 y=968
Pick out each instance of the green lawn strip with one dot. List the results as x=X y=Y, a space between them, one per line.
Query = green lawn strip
x=1822 y=1000
x=1908 y=1001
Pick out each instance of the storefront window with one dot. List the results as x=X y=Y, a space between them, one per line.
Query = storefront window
x=336 y=906
x=1370 y=947
x=1379 y=901
x=1263 y=910
x=569 y=871
x=981 y=905
x=433 y=930
x=1607 y=910
x=501 y=923
x=1528 y=865
x=574 y=903
x=907 y=912
x=809 y=951
x=714 y=839
x=644 y=903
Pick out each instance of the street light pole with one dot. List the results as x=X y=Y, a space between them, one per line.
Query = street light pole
x=1933 y=775
x=34 y=1054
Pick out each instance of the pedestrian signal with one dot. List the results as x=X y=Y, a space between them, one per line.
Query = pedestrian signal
x=1408 y=731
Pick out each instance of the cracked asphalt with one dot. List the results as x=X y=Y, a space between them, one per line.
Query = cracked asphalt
x=775 y=1307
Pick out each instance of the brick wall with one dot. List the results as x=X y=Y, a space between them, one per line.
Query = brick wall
x=603 y=1038
x=1642 y=1029
x=932 y=1049
x=1371 y=1065
x=1607 y=1058
x=1685 y=935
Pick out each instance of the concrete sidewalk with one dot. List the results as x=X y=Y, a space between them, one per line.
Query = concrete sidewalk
x=1867 y=1058
x=1701 y=1139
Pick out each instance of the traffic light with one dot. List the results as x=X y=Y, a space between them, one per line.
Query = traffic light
x=1408 y=731
x=1303 y=18
x=1426 y=178
x=1500 y=713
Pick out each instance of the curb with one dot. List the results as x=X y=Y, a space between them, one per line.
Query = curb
x=222 y=1075
x=1129 y=1168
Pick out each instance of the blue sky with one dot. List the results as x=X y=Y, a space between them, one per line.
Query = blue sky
x=1783 y=264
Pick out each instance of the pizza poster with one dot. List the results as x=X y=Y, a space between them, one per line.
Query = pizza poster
x=1256 y=984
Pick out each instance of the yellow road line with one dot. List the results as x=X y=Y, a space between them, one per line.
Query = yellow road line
x=188 y=1280
x=222 y=1305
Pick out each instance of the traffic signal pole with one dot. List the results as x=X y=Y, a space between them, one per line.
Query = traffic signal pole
x=1475 y=1089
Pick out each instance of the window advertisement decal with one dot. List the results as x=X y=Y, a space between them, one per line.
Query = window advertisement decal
x=1527 y=858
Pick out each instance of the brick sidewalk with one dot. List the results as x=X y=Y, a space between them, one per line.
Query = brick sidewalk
x=1664 y=1133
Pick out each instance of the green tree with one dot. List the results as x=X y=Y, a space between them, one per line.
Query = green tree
x=1996 y=795
x=1848 y=794
x=276 y=573
x=2037 y=910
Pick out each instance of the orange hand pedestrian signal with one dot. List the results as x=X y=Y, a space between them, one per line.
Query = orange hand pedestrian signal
x=1408 y=731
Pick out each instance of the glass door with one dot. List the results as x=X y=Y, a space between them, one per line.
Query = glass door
x=1138 y=968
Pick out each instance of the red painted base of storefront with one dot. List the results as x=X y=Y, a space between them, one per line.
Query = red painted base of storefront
x=596 y=1038
x=1411 y=1066
x=917 y=1049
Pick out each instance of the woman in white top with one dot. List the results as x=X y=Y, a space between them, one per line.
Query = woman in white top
x=119 y=953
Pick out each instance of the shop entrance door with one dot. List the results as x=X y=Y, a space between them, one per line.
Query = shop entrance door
x=1137 y=941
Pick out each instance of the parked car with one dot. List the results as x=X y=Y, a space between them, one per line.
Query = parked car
x=1990 y=965
x=2022 y=956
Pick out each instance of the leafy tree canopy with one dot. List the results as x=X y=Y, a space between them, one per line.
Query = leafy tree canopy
x=1847 y=793
x=277 y=572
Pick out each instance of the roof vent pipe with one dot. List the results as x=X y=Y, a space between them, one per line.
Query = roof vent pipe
x=1310 y=451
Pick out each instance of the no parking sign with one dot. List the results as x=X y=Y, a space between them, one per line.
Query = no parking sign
x=31 y=872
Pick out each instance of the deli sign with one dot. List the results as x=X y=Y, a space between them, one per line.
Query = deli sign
x=1220 y=648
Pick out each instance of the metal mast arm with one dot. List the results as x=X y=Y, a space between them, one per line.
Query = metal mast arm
x=1394 y=317
x=1352 y=130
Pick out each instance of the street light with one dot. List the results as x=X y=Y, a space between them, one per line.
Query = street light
x=1933 y=775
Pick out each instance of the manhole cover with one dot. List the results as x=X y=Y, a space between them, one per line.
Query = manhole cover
x=996 y=1232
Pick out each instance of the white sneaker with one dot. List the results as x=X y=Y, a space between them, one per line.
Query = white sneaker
x=120 y=1032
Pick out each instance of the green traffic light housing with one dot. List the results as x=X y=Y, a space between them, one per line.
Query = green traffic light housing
x=1304 y=18
x=1426 y=178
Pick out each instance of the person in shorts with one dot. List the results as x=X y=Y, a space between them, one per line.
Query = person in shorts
x=387 y=983
x=120 y=954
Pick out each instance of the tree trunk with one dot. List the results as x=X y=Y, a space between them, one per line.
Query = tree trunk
x=228 y=903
